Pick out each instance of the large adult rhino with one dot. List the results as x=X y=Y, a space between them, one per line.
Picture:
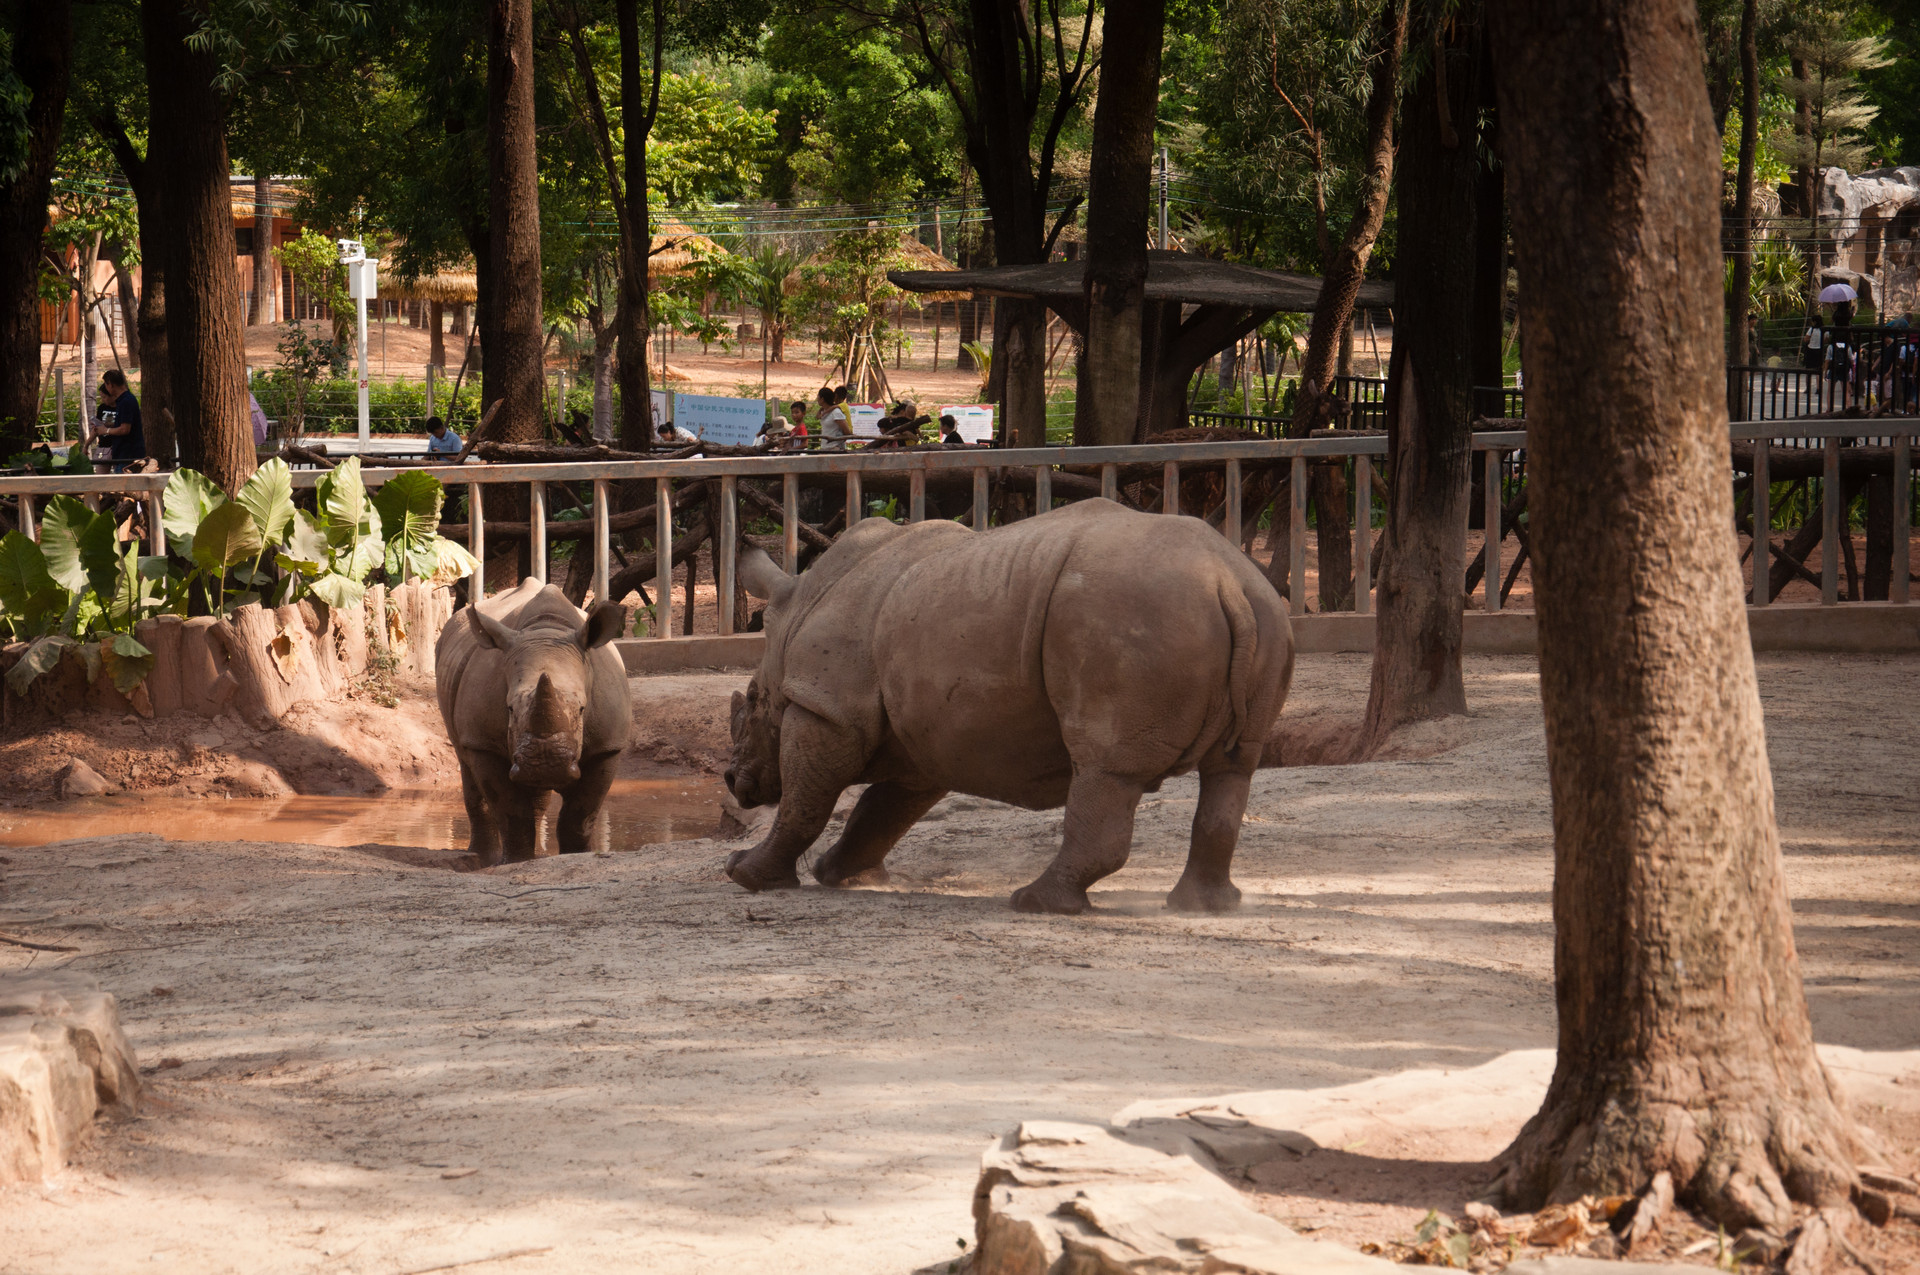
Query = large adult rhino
x=1079 y=658
x=535 y=701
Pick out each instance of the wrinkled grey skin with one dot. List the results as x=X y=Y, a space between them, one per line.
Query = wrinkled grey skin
x=1079 y=658
x=535 y=701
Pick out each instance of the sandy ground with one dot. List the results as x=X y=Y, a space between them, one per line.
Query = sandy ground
x=624 y=1062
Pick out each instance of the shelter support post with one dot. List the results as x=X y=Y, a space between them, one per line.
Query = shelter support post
x=477 y=540
x=1762 y=526
x=156 y=532
x=602 y=541
x=790 y=520
x=1297 y=540
x=853 y=499
x=663 y=558
x=726 y=551
x=1170 y=488
x=1832 y=507
x=1362 y=535
x=916 y=495
x=1042 y=487
x=1230 y=516
x=980 y=498
x=1110 y=482
x=537 y=530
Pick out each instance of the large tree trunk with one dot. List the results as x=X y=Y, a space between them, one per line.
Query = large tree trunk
x=1107 y=410
x=511 y=313
x=187 y=160
x=631 y=319
x=264 y=270
x=156 y=397
x=1417 y=637
x=114 y=253
x=1333 y=313
x=436 y=335
x=1742 y=299
x=1684 y=1043
x=42 y=59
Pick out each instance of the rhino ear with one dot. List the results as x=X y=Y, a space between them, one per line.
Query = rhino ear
x=490 y=631
x=607 y=622
x=760 y=577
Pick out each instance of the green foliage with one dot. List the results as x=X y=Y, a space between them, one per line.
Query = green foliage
x=314 y=261
x=705 y=145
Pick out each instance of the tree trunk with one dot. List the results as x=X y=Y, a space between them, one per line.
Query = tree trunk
x=114 y=253
x=150 y=325
x=1107 y=408
x=264 y=272
x=1742 y=299
x=42 y=59
x=511 y=332
x=1417 y=637
x=631 y=319
x=436 y=335
x=187 y=154
x=1684 y=1043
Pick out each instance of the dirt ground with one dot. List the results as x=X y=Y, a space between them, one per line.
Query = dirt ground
x=624 y=1062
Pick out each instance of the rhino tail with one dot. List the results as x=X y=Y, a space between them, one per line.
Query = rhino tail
x=1243 y=628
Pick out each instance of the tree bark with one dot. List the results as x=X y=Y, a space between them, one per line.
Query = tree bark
x=1684 y=1042
x=114 y=253
x=1742 y=299
x=1107 y=408
x=510 y=317
x=1417 y=637
x=187 y=154
x=156 y=397
x=43 y=60
x=436 y=335
x=631 y=318
x=263 y=309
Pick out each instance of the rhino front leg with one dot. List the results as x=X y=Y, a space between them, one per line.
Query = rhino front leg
x=1099 y=835
x=514 y=809
x=818 y=761
x=880 y=818
x=1206 y=885
x=580 y=803
x=483 y=838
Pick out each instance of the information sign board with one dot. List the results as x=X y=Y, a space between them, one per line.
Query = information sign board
x=728 y=422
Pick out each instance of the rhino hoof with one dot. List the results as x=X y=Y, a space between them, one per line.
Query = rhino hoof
x=854 y=880
x=1189 y=897
x=1042 y=896
x=743 y=874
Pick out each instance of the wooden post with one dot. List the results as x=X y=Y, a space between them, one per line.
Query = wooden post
x=60 y=406
x=917 y=496
x=980 y=499
x=1362 y=534
x=602 y=543
x=790 y=519
x=1490 y=514
x=725 y=552
x=1902 y=517
x=477 y=541
x=537 y=529
x=663 y=558
x=27 y=527
x=853 y=499
x=430 y=410
x=1110 y=482
x=1230 y=516
x=1297 y=539
x=1042 y=488
x=156 y=530
x=1170 y=488
x=1831 y=510
x=1762 y=525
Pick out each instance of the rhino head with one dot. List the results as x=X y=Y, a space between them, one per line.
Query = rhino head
x=546 y=690
x=753 y=775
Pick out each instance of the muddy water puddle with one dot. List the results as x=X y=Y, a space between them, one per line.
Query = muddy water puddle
x=638 y=812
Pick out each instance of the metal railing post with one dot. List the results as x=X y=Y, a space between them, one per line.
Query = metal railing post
x=724 y=559
x=477 y=540
x=1490 y=515
x=917 y=496
x=1297 y=538
x=790 y=520
x=1762 y=526
x=854 y=511
x=1832 y=508
x=1170 y=488
x=156 y=531
x=1902 y=517
x=1362 y=535
x=1042 y=488
x=1230 y=518
x=602 y=541
x=537 y=530
x=980 y=498
x=663 y=557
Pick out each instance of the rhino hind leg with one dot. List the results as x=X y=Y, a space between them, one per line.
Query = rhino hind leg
x=580 y=803
x=1099 y=836
x=1206 y=885
x=483 y=838
x=880 y=818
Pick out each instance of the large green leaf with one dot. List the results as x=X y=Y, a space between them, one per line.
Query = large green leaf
x=79 y=545
x=189 y=498
x=226 y=536
x=341 y=498
x=23 y=572
x=38 y=658
x=126 y=661
x=451 y=561
x=268 y=496
x=337 y=590
x=409 y=506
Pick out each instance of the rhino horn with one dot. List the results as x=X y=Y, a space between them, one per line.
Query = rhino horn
x=760 y=577
x=549 y=710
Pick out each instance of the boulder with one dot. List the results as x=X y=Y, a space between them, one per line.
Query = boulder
x=1057 y=1198
x=63 y=1063
x=77 y=779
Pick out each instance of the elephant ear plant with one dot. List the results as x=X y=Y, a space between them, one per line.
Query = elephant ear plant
x=82 y=588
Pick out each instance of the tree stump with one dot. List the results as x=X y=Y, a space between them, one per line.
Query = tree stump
x=161 y=635
x=206 y=687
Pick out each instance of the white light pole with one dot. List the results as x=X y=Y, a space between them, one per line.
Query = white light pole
x=362 y=286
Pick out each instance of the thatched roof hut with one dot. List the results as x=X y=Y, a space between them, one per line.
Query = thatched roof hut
x=672 y=249
x=917 y=256
x=452 y=287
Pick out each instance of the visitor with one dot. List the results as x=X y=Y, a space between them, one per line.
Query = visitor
x=950 y=433
x=797 y=424
x=442 y=441
x=259 y=418
x=1840 y=355
x=773 y=434
x=672 y=434
x=1813 y=343
x=834 y=432
x=118 y=422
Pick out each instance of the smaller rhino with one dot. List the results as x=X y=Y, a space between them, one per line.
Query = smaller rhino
x=535 y=701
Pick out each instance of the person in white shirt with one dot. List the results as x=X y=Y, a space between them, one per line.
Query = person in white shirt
x=834 y=431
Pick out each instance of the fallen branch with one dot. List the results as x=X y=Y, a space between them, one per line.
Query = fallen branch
x=475 y=1261
x=779 y=511
x=38 y=947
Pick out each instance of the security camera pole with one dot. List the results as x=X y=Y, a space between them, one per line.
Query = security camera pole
x=362 y=287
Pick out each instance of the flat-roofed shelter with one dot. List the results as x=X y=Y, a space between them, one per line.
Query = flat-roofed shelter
x=1196 y=307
